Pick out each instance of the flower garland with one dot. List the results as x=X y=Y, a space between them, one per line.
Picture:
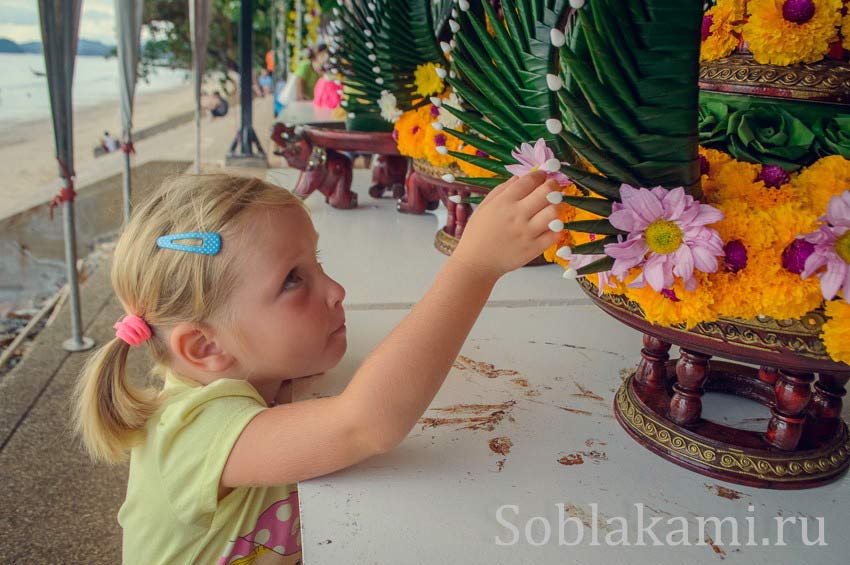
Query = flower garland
x=778 y=32
x=785 y=241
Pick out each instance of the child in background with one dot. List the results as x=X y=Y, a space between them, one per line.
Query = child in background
x=219 y=276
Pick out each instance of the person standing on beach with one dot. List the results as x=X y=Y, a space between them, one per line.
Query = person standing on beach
x=109 y=143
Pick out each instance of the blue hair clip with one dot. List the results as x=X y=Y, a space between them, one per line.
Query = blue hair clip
x=210 y=242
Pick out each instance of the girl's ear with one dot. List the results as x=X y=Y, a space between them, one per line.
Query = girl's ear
x=196 y=346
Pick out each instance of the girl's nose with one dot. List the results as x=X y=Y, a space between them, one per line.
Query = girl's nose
x=336 y=293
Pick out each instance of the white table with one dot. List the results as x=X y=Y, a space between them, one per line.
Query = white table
x=555 y=362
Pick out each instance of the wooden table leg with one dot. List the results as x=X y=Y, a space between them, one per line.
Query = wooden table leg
x=793 y=393
x=652 y=371
x=691 y=372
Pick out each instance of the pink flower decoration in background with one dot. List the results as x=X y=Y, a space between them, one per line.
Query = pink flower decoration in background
x=668 y=237
x=831 y=249
x=539 y=157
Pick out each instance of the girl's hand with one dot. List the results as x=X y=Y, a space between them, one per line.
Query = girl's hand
x=510 y=227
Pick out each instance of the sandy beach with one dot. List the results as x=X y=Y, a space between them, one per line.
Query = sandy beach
x=27 y=148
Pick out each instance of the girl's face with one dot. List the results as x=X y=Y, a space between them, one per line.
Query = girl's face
x=289 y=319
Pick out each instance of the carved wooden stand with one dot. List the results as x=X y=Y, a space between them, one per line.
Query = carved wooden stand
x=805 y=443
x=317 y=149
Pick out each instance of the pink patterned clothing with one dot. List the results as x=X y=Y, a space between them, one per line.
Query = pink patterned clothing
x=172 y=513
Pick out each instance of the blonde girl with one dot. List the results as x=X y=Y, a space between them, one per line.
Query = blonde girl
x=219 y=278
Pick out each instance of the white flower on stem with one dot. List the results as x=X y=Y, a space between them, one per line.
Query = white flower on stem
x=554 y=82
x=557 y=37
x=448 y=119
x=554 y=126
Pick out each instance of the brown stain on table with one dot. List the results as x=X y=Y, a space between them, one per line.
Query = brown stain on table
x=501 y=445
x=587 y=393
x=576 y=411
x=473 y=416
x=591 y=441
x=571 y=459
x=724 y=492
x=482 y=368
x=716 y=549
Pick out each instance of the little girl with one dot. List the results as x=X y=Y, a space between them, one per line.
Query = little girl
x=219 y=277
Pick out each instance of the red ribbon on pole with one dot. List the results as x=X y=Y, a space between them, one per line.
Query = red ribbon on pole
x=66 y=193
x=128 y=147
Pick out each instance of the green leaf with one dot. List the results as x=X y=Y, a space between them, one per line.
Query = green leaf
x=599 y=227
x=598 y=206
x=598 y=266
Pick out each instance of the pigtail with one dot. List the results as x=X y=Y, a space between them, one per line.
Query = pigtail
x=110 y=412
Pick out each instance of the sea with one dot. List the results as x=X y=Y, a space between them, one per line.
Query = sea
x=23 y=87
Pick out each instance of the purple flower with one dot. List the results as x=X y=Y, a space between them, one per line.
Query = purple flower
x=794 y=256
x=670 y=295
x=439 y=139
x=774 y=176
x=704 y=165
x=479 y=153
x=736 y=255
x=579 y=261
x=707 y=22
x=832 y=249
x=536 y=158
x=435 y=112
x=668 y=237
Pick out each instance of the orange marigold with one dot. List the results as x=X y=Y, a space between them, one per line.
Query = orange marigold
x=775 y=40
x=726 y=19
x=836 y=331
x=817 y=184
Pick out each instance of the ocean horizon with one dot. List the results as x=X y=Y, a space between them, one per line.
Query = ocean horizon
x=24 y=95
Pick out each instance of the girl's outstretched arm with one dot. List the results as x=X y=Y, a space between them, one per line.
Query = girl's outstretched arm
x=399 y=379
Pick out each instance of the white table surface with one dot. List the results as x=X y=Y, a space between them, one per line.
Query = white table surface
x=555 y=362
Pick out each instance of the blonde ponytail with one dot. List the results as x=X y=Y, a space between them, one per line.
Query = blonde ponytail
x=110 y=411
x=166 y=288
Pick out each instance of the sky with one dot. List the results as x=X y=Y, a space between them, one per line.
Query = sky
x=19 y=20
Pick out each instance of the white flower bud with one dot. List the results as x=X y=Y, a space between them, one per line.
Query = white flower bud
x=570 y=274
x=554 y=82
x=551 y=165
x=556 y=37
x=436 y=101
x=555 y=197
x=442 y=149
x=554 y=126
x=376 y=69
x=437 y=126
x=448 y=177
x=463 y=5
x=441 y=72
x=454 y=26
x=372 y=57
x=370 y=45
x=556 y=226
x=445 y=47
x=564 y=253
x=455 y=197
x=576 y=4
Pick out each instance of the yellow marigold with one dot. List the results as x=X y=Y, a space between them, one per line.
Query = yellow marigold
x=716 y=160
x=410 y=129
x=845 y=31
x=470 y=169
x=775 y=40
x=836 y=331
x=726 y=19
x=681 y=307
x=427 y=80
x=826 y=178
x=429 y=146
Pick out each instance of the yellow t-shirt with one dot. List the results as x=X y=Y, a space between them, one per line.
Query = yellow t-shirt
x=172 y=513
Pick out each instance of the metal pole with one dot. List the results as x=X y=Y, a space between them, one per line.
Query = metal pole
x=246 y=38
x=77 y=342
x=127 y=141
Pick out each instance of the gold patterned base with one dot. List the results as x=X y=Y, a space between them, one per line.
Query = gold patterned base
x=766 y=468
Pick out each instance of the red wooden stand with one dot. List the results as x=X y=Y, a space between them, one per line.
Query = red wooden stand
x=316 y=150
x=805 y=443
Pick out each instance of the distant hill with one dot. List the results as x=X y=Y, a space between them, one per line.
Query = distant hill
x=8 y=46
x=85 y=47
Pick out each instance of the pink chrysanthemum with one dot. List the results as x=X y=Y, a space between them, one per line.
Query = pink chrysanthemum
x=539 y=157
x=667 y=236
x=832 y=249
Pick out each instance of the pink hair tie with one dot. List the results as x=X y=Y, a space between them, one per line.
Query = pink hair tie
x=133 y=330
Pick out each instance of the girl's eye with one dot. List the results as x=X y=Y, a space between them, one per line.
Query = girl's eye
x=292 y=280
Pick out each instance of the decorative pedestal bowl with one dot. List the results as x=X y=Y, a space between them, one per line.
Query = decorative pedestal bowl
x=425 y=188
x=317 y=151
x=805 y=443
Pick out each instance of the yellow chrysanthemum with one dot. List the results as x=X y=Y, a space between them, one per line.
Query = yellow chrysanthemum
x=827 y=177
x=836 y=331
x=726 y=20
x=773 y=39
x=427 y=81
